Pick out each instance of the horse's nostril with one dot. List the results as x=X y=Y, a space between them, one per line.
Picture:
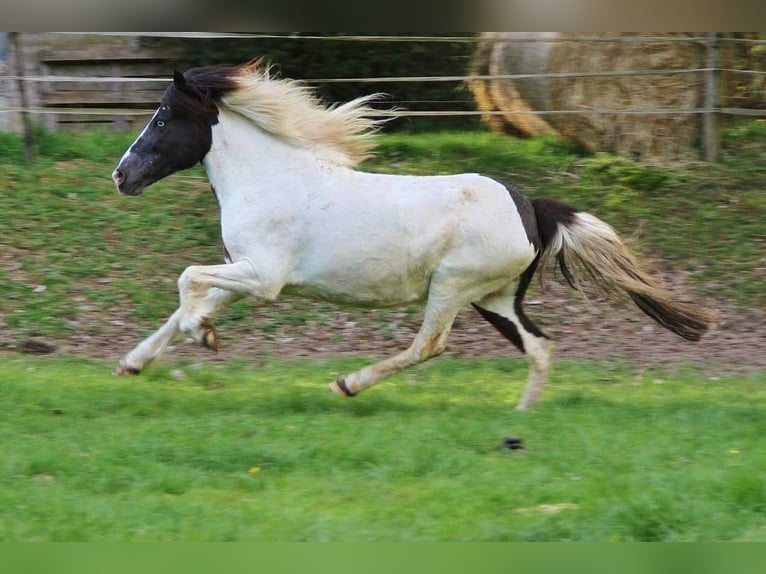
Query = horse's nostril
x=118 y=177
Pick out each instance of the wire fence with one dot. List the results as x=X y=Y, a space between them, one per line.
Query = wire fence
x=710 y=107
x=520 y=37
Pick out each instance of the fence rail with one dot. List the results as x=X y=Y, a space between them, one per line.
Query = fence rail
x=428 y=113
x=399 y=79
x=383 y=38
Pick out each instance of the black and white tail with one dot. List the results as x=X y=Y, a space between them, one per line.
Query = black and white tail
x=586 y=249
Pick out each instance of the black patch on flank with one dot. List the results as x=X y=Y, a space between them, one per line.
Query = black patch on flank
x=521 y=290
x=540 y=218
x=526 y=212
x=226 y=254
x=507 y=327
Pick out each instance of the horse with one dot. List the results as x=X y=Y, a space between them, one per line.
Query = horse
x=298 y=218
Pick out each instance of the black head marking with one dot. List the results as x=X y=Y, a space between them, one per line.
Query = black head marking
x=179 y=135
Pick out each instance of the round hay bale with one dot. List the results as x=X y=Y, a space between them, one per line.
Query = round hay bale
x=639 y=134
x=482 y=94
x=502 y=53
x=642 y=135
x=497 y=54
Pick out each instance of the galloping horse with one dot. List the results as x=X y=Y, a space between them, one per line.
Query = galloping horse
x=297 y=218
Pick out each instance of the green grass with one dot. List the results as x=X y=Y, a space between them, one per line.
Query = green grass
x=622 y=455
x=630 y=455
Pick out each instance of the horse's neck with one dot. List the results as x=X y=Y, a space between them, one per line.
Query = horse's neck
x=246 y=161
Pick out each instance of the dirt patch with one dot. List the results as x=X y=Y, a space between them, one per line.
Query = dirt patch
x=581 y=329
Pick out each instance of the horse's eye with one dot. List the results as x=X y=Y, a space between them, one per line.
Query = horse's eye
x=160 y=124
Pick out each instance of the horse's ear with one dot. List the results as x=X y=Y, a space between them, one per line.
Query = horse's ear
x=179 y=80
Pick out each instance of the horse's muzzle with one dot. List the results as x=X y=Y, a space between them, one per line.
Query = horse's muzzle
x=118 y=178
x=125 y=188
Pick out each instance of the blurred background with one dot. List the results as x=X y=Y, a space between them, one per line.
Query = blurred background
x=648 y=96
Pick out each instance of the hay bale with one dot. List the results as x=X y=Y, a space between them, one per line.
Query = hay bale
x=499 y=53
x=641 y=136
x=664 y=136
x=482 y=92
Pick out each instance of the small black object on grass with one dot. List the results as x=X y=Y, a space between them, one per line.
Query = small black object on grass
x=512 y=443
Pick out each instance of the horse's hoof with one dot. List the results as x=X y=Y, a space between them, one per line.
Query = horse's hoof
x=339 y=387
x=123 y=371
x=210 y=339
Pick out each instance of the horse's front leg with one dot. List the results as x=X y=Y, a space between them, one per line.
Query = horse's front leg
x=154 y=345
x=203 y=291
x=200 y=288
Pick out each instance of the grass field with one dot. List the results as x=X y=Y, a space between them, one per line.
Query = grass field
x=74 y=249
x=231 y=453
x=237 y=452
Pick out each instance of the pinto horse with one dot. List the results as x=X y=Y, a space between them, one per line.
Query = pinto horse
x=297 y=218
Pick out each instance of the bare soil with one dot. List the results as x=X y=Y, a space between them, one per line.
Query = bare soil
x=582 y=329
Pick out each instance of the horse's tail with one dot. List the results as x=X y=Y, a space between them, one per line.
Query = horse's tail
x=585 y=248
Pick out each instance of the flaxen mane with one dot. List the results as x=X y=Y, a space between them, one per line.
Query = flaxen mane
x=289 y=110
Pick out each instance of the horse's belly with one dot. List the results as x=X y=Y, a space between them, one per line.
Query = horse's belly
x=369 y=284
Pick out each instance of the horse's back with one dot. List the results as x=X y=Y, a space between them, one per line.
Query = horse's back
x=484 y=220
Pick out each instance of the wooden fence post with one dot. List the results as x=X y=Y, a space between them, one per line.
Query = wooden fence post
x=710 y=123
x=19 y=72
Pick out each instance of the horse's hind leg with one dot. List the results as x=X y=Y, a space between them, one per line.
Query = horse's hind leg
x=504 y=311
x=430 y=341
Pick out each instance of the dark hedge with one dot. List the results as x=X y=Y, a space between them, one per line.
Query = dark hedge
x=304 y=58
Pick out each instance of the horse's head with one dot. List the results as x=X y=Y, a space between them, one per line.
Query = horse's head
x=177 y=137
